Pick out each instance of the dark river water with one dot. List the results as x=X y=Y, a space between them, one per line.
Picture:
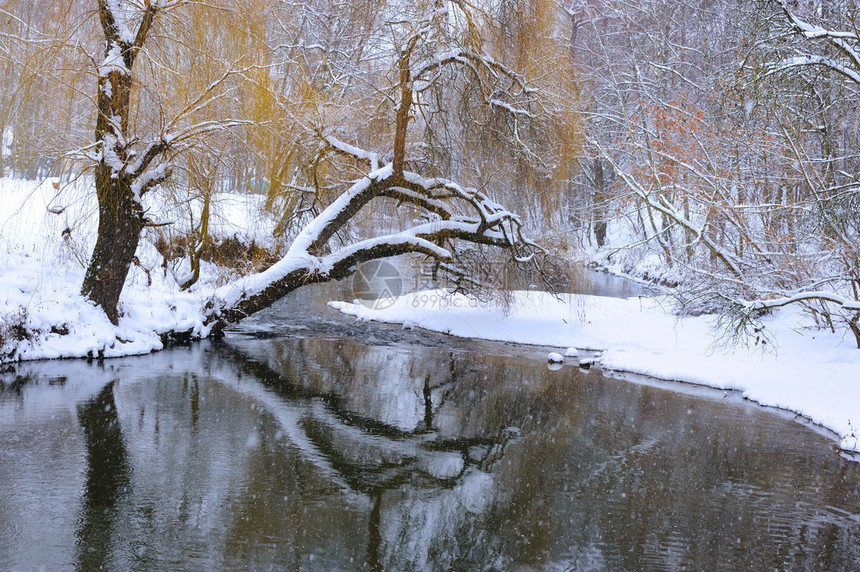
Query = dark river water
x=332 y=445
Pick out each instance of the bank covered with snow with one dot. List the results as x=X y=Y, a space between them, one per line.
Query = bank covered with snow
x=811 y=372
x=46 y=238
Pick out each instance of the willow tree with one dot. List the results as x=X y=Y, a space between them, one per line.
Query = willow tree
x=148 y=113
x=358 y=136
x=433 y=78
x=42 y=47
x=123 y=173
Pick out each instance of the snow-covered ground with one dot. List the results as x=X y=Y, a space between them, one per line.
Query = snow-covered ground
x=811 y=372
x=46 y=237
x=45 y=241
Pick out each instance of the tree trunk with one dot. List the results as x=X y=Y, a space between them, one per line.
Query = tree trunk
x=120 y=212
x=120 y=223
x=854 y=326
x=599 y=199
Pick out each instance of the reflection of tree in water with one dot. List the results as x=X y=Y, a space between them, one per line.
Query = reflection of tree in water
x=428 y=492
x=602 y=473
x=107 y=479
x=333 y=455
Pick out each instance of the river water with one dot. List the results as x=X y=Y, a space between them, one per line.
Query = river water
x=306 y=441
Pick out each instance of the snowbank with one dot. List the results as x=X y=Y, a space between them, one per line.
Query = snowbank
x=45 y=241
x=811 y=372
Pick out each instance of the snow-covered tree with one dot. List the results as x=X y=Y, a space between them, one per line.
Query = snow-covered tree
x=436 y=65
x=350 y=187
x=125 y=169
x=734 y=168
x=822 y=150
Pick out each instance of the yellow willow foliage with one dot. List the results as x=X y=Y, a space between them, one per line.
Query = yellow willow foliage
x=532 y=36
x=44 y=75
x=212 y=63
x=472 y=39
x=206 y=43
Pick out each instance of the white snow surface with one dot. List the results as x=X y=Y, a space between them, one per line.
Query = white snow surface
x=42 y=258
x=811 y=372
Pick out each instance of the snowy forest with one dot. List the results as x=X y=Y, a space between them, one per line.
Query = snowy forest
x=708 y=146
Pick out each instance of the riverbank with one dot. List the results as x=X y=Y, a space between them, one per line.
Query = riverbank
x=813 y=373
x=47 y=233
x=45 y=242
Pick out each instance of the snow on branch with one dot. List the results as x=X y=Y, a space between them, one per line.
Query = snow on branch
x=744 y=316
x=510 y=108
x=491 y=214
x=463 y=56
x=374 y=159
x=813 y=60
x=436 y=206
x=316 y=234
x=766 y=304
x=845 y=42
x=430 y=194
x=441 y=200
x=382 y=246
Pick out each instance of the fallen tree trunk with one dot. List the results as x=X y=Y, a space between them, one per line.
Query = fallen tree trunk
x=482 y=221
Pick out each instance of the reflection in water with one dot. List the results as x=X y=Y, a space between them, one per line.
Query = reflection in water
x=107 y=478
x=427 y=490
x=320 y=454
x=374 y=536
